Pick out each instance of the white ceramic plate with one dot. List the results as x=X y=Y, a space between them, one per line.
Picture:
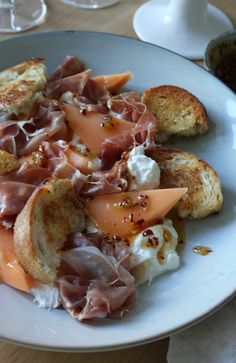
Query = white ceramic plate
x=201 y=284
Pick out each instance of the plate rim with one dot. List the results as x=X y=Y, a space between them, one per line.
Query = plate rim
x=117 y=347
x=101 y=33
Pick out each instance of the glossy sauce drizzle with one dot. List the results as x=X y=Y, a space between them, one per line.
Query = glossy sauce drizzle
x=202 y=250
x=178 y=224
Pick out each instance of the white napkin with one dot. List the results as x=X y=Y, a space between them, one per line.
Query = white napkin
x=212 y=341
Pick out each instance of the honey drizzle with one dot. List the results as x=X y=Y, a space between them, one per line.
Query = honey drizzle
x=202 y=250
x=179 y=226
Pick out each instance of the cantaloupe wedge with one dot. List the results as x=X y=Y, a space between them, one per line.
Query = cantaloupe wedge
x=85 y=163
x=93 y=128
x=124 y=214
x=11 y=272
x=114 y=82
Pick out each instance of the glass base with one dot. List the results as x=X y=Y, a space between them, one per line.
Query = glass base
x=91 y=4
x=17 y=16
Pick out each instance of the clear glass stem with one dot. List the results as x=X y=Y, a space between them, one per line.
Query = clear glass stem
x=6 y=14
x=20 y=15
x=6 y=4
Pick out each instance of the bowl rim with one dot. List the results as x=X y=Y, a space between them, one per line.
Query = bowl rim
x=219 y=39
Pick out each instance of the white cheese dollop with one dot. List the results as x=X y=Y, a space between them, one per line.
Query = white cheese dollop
x=153 y=252
x=68 y=97
x=46 y=295
x=145 y=171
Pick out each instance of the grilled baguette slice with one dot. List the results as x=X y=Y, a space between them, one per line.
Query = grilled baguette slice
x=18 y=86
x=182 y=169
x=51 y=213
x=177 y=111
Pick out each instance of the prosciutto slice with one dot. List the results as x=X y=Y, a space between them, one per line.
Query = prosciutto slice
x=133 y=110
x=74 y=83
x=13 y=196
x=17 y=186
x=115 y=180
x=58 y=165
x=73 y=291
x=69 y=66
x=22 y=137
x=100 y=301
x=119 y=250
x=90 y=263
x=93 y=98
x=96 y=92
x=113 y=147
x=104 y=301
x=102 y=182
x=127 y=106
x=95 y=280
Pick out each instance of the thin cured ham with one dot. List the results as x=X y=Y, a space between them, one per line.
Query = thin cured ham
x=13 y=196
x=104 y=301
x=92 y=98
x=17 y=186
x=129 y=107
x=22 y=137
x=98 y=283
x=96 y=92
x=115 y=180
x=113 y=147
x=119 y=250
x=69 y=66
x=74 y=83
x=96 y=299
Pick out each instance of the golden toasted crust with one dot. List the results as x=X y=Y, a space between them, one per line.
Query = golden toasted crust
x=29 y=63
x=182 y=169
x=18 y=86
x=8 y=162
x=177 y=111
x=51 y=213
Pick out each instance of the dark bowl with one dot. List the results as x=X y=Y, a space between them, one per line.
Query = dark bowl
x=218 y=48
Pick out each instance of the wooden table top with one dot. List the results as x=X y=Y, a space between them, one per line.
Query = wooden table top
x=115 y=19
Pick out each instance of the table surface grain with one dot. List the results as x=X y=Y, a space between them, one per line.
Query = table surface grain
x=116 y=19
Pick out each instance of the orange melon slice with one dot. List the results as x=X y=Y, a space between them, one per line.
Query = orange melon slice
x=84 y=163
x=11 y=272
x=124 y=214
x=114 y=82
x=93 y=128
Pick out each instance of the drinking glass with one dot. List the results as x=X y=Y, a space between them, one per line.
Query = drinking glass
x=20 y=15
x=91 y=4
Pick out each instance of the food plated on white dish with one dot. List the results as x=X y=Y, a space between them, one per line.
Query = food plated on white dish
x=87 y=187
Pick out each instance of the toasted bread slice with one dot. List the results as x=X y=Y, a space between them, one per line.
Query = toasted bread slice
x=182 y=169
x=8 y=162
x=51 y=213
x=18 y=86
x=177 y=111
